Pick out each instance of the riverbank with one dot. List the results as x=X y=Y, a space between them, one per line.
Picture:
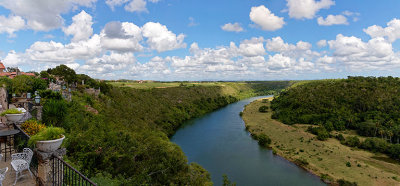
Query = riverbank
x=219 y=143
x=328 y=159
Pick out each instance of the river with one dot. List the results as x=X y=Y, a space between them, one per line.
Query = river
x=219 y=142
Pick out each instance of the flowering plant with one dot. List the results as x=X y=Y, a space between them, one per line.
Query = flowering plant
x=32 y=127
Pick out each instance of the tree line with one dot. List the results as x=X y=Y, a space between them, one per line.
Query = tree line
x=369 y=105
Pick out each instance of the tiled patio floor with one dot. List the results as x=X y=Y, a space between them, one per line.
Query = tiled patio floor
x=25 y=180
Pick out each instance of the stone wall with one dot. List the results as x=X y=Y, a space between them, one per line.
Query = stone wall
x=93 y=91
x=3 y=102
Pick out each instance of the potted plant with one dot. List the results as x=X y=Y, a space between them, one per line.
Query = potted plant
x=13 y=114
x=48 y=139
x=32 y=127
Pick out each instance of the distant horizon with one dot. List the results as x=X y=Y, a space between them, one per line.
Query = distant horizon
x=197 y=40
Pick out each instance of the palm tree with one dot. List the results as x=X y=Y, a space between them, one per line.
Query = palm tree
x=381 y=132
x=390 y=134
x=377 y=125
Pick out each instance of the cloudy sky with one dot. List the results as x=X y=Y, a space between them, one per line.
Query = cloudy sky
x=203 y=40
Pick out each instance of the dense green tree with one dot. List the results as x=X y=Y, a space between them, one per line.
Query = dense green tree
x=46 y=76
x=24 y=84
x=87 y=80
x=65 y=72
x=375 y=145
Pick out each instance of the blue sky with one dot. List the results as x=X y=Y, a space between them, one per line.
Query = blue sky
x=203 y=40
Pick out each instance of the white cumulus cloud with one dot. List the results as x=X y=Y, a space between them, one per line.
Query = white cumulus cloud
x=377 y=53
x=81 y=27
x=130 y=5
x=43 y=15
x=253 y=47
x=111 y=62
x=265 y=19
x=322 y=43
x=121 y=37
x=11 y=24
x=13 y=59
x=306 y=9
x=332 y=20
x=136 y=6
x=160 y=38
x=391 y=32
x=232 y=27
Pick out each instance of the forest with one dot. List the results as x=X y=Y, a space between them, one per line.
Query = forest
x=121 y=137
x=369 y=105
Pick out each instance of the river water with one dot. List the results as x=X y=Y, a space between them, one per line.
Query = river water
x=219 y=142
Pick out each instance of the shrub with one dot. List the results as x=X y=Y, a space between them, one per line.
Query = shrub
x=340 y=137
x=329 y=126
x=343 y=182
x=263 y=109
x=375 y=145
x=226 y=181
x=301 y=162
x=321 y=132
x=394 y=151
x=322 y=135
x=49 y=94
x=32 y=127
x=263 y=140
x=49 y=133
x=254 y=136
x=54 y=112
x=352 y=141
x=11 y=111
x=326 y=177
x=348 y=164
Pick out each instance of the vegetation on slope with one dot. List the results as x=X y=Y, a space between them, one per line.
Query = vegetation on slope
x=121 y=136
x=367 y=104
x=329 y=159
x=129 y=136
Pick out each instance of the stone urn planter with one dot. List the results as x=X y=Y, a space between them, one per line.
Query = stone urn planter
x=14 y=117
x=49 y=145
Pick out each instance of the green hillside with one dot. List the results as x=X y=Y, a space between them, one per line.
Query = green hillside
x=369 y=105
x=127 y=142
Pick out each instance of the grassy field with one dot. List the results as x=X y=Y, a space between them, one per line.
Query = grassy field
x=328 y=159
x=151 y=84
